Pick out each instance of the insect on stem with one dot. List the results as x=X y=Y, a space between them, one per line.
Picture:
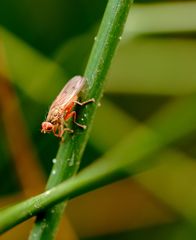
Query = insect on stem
x=61 y=109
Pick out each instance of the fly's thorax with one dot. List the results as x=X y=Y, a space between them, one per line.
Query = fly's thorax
x=54 y=115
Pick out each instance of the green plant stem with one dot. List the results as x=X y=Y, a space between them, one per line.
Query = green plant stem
x=128 y=157
x=70 y=152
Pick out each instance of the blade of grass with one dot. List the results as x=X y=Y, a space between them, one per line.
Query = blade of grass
x=165 y=62
x=171 y=17
x=24 y=62
x=166 y=179
x=128 y=157
x=69 y=154
x=173 y=181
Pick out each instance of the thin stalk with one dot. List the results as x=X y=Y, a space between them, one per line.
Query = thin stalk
x=133 y=153
x=70 y=152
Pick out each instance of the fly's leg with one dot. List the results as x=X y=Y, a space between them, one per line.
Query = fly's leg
x=86 y=102
x=59 y=135
x=65 y=128
x=54 y=131
x=68 y=130
x=61 y=131
x=73 y=114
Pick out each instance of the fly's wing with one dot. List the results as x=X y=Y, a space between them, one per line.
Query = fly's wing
x=71 y=89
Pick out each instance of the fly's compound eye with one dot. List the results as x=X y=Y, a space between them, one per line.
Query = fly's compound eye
x=47 y=127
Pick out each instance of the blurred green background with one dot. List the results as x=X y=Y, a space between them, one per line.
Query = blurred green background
x=42 y=45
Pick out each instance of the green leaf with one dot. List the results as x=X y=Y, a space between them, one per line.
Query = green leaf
x=161 y=66
x=30 y=70
x=161 y=18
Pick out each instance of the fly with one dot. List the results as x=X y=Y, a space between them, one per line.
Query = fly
x=61 y=109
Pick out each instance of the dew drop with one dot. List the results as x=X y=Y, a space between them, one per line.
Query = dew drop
x=120 y=38
x=36 y=206
x=53 y=172
x=44 y=224
x=54 y=160
x=71 y=161
x=95 y=38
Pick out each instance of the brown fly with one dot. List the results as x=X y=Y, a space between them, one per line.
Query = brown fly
x=61 y=109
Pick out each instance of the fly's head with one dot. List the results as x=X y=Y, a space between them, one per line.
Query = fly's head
x=47 y=127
